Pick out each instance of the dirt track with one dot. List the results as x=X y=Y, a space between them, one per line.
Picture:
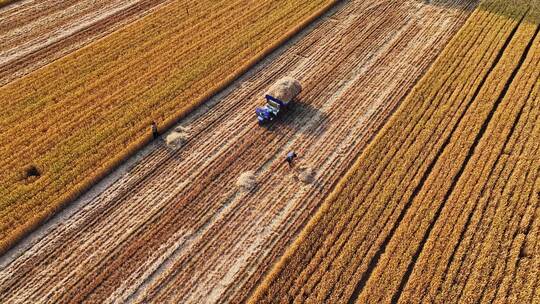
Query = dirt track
x=33 y=33
x=177 y=228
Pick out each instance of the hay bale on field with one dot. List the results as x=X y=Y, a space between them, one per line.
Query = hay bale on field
x=285 y=89
x=306 y=175
x=247 y=181
x=177 y=137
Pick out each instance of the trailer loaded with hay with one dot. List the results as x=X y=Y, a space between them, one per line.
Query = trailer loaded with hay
x=278 y=98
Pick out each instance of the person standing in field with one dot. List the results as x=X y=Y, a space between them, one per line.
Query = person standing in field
x=290 y=158
x=154 y=128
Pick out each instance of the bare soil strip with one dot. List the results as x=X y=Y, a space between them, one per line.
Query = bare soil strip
x=177 y=227
x=34 y=33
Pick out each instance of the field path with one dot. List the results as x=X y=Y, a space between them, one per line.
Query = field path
x=34 y=33
x=176 y=228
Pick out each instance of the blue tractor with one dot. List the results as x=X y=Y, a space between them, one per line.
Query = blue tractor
x=278 y=98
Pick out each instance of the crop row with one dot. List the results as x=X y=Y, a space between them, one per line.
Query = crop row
x=76 y=119
x=364 y=241
x=490 y=221
x=449 y=174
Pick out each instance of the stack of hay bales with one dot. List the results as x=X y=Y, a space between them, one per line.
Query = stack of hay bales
x=285 y=89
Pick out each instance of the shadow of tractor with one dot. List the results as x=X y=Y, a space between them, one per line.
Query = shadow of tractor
x=301 y=117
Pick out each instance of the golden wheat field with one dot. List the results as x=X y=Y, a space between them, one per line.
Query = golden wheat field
x=68 y=124
x=443 y=205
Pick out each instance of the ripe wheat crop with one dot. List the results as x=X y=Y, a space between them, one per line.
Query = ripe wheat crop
x=443 y=203
x=68 y=124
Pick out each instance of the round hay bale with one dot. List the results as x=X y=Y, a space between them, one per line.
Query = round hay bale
x=247 y=181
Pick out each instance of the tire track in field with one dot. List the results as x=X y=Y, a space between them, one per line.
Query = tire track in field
x=181 y=208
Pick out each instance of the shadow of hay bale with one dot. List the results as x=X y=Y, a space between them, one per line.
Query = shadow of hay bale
x=30 y=173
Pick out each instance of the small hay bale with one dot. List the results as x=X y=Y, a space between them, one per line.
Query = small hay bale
x=247 y=181
x=306 y=175
x=177 y=137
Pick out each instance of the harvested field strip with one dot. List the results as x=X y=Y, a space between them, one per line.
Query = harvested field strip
x=83 y=114
x=34 y=33
x=367 y=241
x=175 y=228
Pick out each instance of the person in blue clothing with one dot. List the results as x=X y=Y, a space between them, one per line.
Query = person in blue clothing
x=290 y=158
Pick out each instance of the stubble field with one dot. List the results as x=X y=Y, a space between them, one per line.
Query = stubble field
x=34 y=33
